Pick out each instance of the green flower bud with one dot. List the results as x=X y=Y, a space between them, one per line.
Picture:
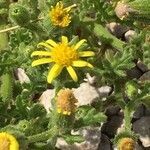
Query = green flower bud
x=6 y=88
x=25 y=126
x=131 y=89
x=19 y=14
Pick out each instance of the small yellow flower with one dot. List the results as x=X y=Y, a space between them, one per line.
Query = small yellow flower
x=60 y=16
x=8 y=142
x=66 y=102
x=62 y=55
x=126 y=144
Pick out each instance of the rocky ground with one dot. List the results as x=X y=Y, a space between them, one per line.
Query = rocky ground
x=100 y=138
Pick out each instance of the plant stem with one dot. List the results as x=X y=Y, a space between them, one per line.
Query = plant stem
x=9 y=29
x=16 y=27
x=44 y=135
x=127 y=117
x=107 y=37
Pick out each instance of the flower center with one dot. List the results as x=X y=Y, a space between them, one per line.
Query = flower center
x=64 y=55
x=66 y=102
x=4 y=143
x=59 y=15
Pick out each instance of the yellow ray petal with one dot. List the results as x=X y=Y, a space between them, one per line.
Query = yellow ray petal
x=41 y=53
x=79 y=44
x=54 y=72
x=81 y=63
x=72 y=73
x=86 y=54
x=64 y=39
x=45 y=45
x=52 y=43
x=41 y=61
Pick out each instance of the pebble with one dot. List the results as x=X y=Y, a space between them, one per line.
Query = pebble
x=139 y=112
x=129 y=35
x=105 y=143
x=142 y=66
x=112 y=110
x=22 y=76
x=87 y=94
x=135 y=72
x=112 y=124
x=145 y=77
x=117 y=29
x=142 y=127
x=92 y=139
x=46 y=98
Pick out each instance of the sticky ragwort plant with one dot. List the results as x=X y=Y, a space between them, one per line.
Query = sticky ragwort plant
x=56 y=37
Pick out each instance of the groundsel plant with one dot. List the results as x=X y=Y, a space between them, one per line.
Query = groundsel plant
x=56 y=43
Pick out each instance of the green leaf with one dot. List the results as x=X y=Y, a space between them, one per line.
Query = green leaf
x=6 y=88
x=87 y=115
x=21 y=106
x=37 y=110
x=73 y=138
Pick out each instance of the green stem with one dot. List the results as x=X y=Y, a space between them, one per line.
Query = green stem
x=127 y=117
x=44 y=135
x=105 y=36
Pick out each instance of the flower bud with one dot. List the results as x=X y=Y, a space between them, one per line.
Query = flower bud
x=66 y=102
x=126 y=144
x=131 y=89
x=19 y=14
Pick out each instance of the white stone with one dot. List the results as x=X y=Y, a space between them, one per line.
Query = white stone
x=92 y=139
x=46 y=98
x=86 y=94
x=129 y=34
x=22 y=76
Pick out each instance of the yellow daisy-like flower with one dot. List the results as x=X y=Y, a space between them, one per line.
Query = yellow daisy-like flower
x=62 y=55
x=126 y=144
x=66 y=102
x=8 y=142
x=60 y=16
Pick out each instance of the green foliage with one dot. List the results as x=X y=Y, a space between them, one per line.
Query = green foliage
x=24 y=24
x=115 y=65
x=84 y=118
x=19 y=14
x=37 y=110
x=73 y=138
x=101 y=10
x=138 y=11
x=141 y=8
x=6 y=88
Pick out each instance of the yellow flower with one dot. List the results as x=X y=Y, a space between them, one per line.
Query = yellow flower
x=60 y=16
x=126 y=144
x=8 y=142
x=66 y=102
x=62 y=55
